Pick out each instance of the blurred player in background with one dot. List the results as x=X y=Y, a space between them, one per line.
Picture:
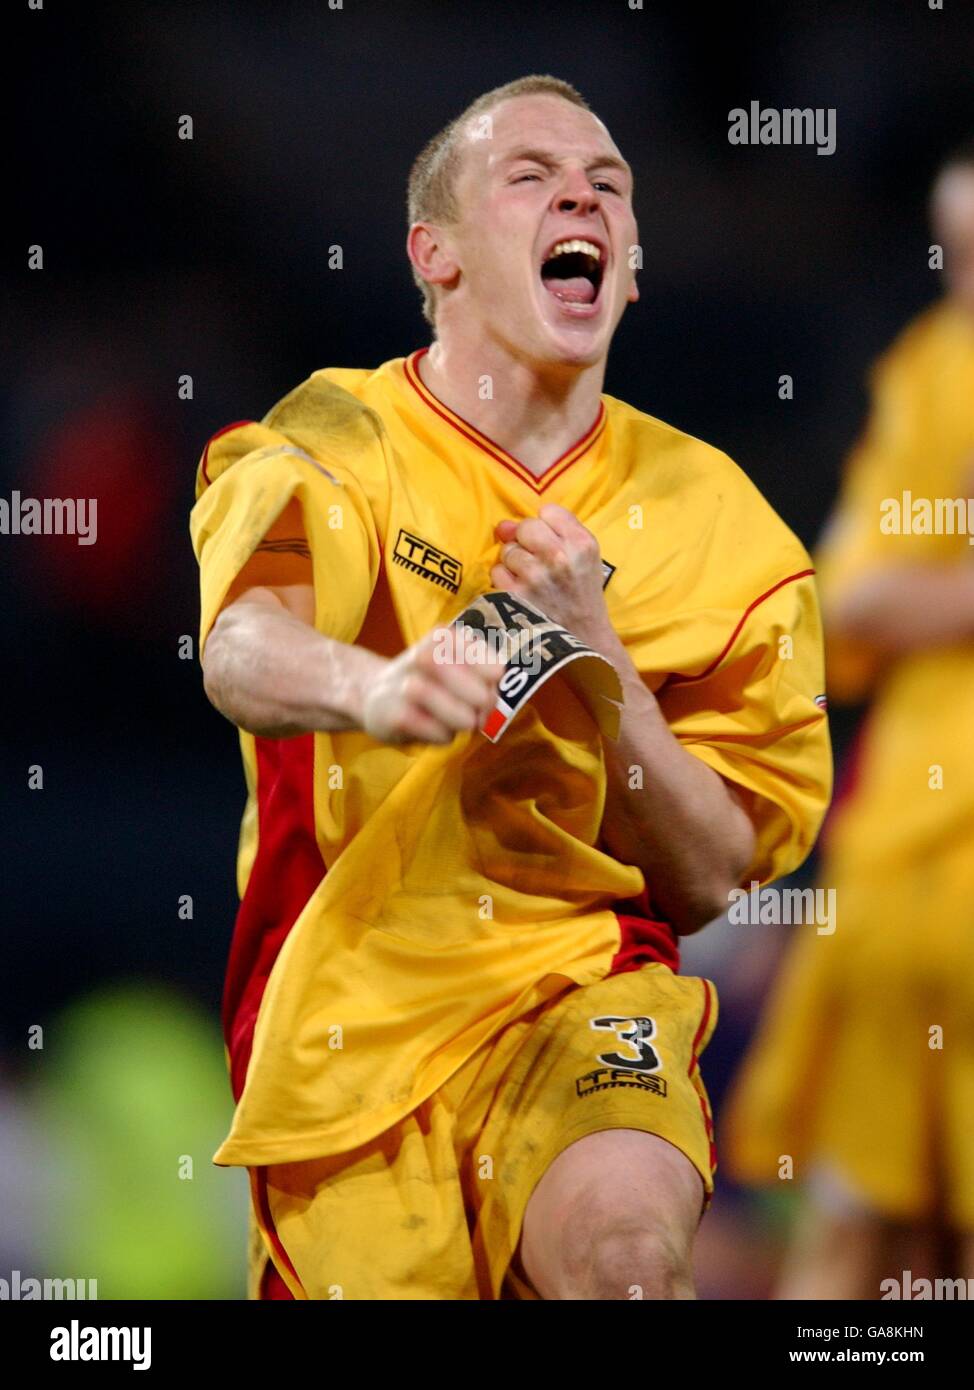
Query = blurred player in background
x=464 y=1063
x=863 y=1069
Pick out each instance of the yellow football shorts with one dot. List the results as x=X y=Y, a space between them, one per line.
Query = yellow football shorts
x=863 y=1063
x=432 y=1208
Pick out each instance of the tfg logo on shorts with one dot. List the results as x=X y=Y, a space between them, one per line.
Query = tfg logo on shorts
x=77 y=1343
x=603 y=1078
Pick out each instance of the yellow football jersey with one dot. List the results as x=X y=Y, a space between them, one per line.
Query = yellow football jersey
x=401 y=905
x=845 y=1068
x=917 y=451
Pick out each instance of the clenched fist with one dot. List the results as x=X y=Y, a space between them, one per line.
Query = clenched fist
x=553 y=561
x=433 y=690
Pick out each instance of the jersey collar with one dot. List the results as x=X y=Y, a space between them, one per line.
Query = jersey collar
x=537 y=482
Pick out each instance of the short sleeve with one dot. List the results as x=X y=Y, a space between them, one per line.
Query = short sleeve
x=252 y=475
x=756 y=716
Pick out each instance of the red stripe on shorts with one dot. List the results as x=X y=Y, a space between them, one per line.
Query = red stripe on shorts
x=694 y=1065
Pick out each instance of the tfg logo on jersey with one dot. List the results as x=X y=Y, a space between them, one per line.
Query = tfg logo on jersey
x=425 y=559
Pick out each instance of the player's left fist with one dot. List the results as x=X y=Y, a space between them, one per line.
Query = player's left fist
x=553 y=561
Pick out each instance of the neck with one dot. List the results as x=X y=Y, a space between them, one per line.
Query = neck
x=535 y=413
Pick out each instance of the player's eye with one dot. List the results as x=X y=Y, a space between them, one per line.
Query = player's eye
x=603 y=183
x=520 y=178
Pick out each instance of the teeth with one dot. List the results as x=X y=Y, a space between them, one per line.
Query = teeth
x=586 y=248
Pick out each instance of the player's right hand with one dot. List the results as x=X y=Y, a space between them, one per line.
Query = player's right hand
x=433 y=690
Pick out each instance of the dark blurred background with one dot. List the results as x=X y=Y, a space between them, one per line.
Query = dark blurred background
x=208 y=257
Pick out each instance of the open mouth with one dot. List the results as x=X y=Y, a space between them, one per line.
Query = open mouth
x=572 y=271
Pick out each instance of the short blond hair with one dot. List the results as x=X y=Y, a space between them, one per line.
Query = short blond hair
x=432 y=179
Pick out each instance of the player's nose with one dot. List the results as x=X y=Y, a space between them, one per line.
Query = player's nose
x=575 y=193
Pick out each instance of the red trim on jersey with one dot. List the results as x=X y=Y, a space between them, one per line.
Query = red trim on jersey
x=272 y=1286
x=268 y=1223
x=286 y=871
x=643 y=938
x=496 y=452
x=790 y=579
x=226 y=430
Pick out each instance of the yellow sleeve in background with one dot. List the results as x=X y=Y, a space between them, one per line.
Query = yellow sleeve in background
x=893 y=455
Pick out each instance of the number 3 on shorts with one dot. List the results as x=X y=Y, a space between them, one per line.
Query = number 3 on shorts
x=634 y=1032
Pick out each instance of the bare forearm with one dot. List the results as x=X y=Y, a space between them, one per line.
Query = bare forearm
x=903 y=609
x=274 y=675
x=679 y=823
